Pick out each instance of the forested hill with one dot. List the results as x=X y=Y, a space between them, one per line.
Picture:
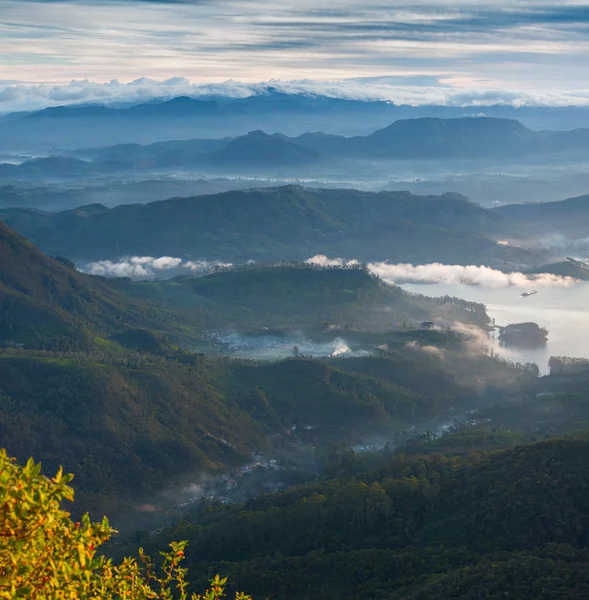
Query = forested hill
x=131 y=425
x=46 y=303
x=564 y=217
x=290 y=222
x=507 y=524
x=301 y=295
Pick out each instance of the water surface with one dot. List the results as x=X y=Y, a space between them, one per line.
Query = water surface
x=563 y=311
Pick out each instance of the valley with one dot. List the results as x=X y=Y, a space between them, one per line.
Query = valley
x=313 y=356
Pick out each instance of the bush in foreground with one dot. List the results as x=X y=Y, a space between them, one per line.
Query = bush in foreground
x=45 y=555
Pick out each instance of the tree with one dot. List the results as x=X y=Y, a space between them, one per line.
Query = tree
x=45 y=555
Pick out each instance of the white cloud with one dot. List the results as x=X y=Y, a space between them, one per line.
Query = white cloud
x=469 y=275
x=522 y=47
x=452 y=274
x=147 y=267
x=323 y=261
x=16 y=97
x=203 y=265
x=166 y=262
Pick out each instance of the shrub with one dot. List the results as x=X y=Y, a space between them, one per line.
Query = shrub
x=45 y=555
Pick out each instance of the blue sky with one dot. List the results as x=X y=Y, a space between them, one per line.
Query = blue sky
x=414 y=49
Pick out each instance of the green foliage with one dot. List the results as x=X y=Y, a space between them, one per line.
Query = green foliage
x=299 y=295
x=45 y=555
x=135 y=423
x=474 y=526
x=45 y=303
x=126 y=425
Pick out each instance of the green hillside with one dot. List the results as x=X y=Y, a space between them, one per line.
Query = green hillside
x=286 y=223
x=47 y=303
x=126 y=426
x=301 y=295
x=510 y=523
x=129 y=426
x=90 y=380
x=566 y=268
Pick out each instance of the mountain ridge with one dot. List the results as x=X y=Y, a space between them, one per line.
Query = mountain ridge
x=285 y=223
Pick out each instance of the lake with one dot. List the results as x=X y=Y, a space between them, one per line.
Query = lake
x=563 y=311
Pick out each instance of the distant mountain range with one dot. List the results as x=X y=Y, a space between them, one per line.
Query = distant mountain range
x=428 y=138
x=423 y=139
x=179 y=118
x=500 y=141
x=289 y=222
x=293 y=114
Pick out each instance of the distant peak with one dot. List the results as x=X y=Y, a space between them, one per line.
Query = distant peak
x=182 y=100
x=258 y=134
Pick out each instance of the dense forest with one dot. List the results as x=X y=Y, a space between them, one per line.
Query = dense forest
x=416 y=464
x=485 y=525
x=105 y=384
x=301 y=295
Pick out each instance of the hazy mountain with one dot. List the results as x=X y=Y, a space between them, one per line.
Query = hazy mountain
x=292 y=114
x=565 y=217
x=443 y=139
x=51 y=168
x=428 y=139
x=160 y=154
x=478 y=143
x=566 y=268
x=258 y=149
x=276 y=223
x=181 y=118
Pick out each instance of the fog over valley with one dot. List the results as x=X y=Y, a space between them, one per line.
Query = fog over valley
x=293 y=300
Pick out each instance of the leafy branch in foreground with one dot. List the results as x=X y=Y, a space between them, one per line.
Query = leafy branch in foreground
x=45 y=555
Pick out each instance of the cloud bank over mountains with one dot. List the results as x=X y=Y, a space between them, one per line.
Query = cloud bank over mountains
x=397 y=90
x=451 y=274
x=149 y=267
x=431 y=51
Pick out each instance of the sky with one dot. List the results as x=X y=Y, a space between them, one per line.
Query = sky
x=531 y=51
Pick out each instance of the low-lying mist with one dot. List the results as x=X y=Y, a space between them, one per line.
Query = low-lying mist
x=452 y=274
x=271 y=346
x=148 y=267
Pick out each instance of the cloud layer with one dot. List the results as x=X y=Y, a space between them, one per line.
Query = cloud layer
x=487 y=47
x=452 y=274
x=399 y=90
x=147 y=267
